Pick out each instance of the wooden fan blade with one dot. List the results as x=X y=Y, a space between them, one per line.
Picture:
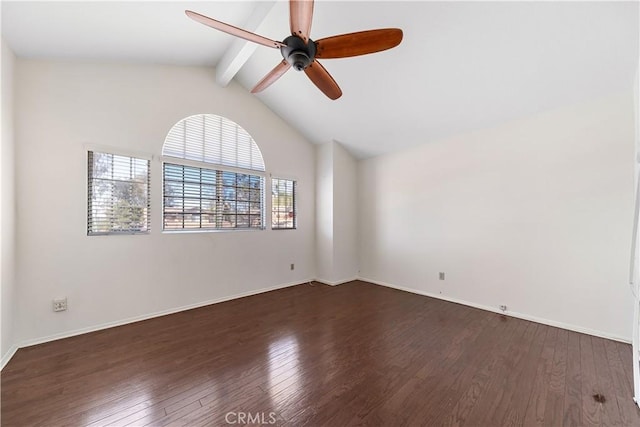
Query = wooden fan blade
x=272 y=76
x=300 y=16
x=321 y=78
x=360 y=43
x=234 y=31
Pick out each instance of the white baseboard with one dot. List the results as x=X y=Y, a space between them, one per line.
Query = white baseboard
x=332 y=283
x=94 y=328
x=523 y=316
x=7 y=356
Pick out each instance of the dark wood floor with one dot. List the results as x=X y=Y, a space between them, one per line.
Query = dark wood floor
x=355 y=354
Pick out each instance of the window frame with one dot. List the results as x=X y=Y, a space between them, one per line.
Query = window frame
x=90 y=150
x=294 y=197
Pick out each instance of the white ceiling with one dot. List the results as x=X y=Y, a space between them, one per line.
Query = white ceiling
x=461 y=66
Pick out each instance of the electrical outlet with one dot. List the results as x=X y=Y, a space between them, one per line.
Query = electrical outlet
x=441 y=276
x=293 y=266
x=60 y=304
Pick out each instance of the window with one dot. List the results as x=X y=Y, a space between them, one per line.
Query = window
x=213 y=176
x=118 y=194
x=199 y=198
x=283 y=204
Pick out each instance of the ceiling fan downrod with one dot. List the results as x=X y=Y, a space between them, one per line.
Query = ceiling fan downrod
x=298 y=53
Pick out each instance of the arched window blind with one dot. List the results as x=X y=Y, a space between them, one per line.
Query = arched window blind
x=213 y=139
x=212 y=176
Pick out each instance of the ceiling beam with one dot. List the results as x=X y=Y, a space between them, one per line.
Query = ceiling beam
x=241 y=50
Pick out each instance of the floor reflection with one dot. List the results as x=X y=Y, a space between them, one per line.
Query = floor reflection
x=284 y=369
x=116 y=407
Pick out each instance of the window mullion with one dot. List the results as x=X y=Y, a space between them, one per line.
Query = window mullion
x=183 y=197
x=219 y=200
x=111 y=202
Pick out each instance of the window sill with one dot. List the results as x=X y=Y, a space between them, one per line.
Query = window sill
x=230 y=230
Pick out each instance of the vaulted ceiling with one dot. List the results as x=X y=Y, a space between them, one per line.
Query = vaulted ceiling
x=461 y=66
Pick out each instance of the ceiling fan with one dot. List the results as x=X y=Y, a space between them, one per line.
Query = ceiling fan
x=301 y=53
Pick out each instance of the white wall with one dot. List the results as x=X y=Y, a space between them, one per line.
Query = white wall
x=60 y=107
x=345 y=207
x=535 y=214
x=336 y=205
x=7 y=213
x=324 y=212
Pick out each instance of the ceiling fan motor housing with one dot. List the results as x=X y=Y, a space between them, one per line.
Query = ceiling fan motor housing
x=298 y=53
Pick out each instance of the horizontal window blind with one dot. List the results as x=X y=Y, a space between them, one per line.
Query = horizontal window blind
x=208 y=199
x=213 y=139
x=283 y=204
x=118 y=194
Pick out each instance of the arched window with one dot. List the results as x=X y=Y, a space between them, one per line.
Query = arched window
x=213 y=175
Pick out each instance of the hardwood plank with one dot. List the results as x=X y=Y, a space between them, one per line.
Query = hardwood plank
x=171 y=416
x=554 y=406
x=591 y=408
x=622 y=384
x=573 y=415
x=536 y=407
x=610 y=407
x=624 y=351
